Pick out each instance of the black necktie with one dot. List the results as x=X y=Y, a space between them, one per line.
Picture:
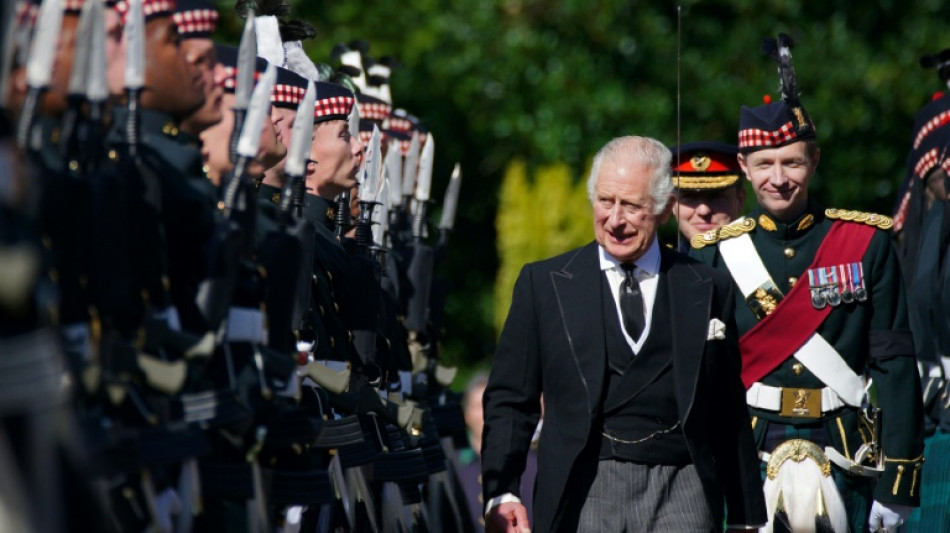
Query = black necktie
x=631 y=303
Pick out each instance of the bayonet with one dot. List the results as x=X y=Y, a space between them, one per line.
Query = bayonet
x=381 y=215
x=423 y=186
x=97 y=83
x=301 y=134
x=424 y=180
x=369 y=187
x=134 y=68
x=394 y=169
x=250 y=139
x=450 y=205
x=369 y=190
x=410 y=166
x=354 y=121
x=301 y=138
x=244 y=80
x=78 y=77
x=39 y=66
x=39 y=69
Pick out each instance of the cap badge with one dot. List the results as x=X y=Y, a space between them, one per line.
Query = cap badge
x=799 y=116
x=701 y=162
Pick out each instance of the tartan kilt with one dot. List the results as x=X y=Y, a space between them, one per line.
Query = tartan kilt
x=934 y=511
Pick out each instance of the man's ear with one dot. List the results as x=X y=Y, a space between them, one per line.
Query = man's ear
x=667 y=211
x=743 y=165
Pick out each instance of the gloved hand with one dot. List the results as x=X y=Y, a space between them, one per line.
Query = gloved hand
x=888 y=517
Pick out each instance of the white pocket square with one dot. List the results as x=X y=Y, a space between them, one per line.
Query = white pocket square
x=717 y=330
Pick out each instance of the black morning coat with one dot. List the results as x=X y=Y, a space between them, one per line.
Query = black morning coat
x=553 y=342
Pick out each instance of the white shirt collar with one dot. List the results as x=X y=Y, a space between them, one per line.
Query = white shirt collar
x=649 y=262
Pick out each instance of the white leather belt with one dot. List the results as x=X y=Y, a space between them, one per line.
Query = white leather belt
x=769 y=398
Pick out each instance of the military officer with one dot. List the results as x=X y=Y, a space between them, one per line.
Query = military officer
x=709 y=193
x=823 y=315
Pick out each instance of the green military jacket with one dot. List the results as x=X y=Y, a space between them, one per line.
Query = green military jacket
x=872 y=336
x=331 y=336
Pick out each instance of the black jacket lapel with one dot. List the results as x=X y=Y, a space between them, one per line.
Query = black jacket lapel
x=582 y=316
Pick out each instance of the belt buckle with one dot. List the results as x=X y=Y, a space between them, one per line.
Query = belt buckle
x=801 y=403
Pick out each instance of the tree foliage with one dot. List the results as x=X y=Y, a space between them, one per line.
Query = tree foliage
x=529 y=228
x=549 y=82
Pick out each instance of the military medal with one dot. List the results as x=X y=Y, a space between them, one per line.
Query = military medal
x=818 y=300
x=860 y=291
x=847 y=282
x=829 y=283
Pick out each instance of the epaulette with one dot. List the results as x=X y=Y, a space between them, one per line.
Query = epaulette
x=871 y=219
x=728 y=231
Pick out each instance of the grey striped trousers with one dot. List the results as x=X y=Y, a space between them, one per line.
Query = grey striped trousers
x=631 y=497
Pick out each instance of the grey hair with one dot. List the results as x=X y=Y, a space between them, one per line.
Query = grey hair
x=650 y=152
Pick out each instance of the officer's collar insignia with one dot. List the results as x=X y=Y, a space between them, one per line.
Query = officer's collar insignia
x=767 y=223
x=871 y=219
x=806 y=222
x=330 y=212
x=275 y=198
x=711 y=237
x=170 y=129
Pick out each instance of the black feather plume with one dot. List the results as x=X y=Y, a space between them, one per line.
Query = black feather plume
x=297 y=30
x=939 y=61
x=338 y=50
x=277 y=8
x=360 y=44
x=781 y=53
x=244 y=7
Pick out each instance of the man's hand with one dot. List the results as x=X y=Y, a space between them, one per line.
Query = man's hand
x=510 y=517
x=888 y=517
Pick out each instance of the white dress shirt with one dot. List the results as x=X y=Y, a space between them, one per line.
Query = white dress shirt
x=647 y=273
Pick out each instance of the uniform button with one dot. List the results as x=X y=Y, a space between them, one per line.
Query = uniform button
x=789 y=252
x=791 y=281
x=113 y=155
x=74 y=165
x=798 y=368
x=332 y=342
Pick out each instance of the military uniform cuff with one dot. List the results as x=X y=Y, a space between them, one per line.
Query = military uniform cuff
x=900 y=482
